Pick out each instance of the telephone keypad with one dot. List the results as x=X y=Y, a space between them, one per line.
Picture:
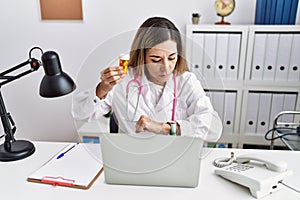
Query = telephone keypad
x=239 y=167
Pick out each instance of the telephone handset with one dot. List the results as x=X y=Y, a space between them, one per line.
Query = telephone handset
x=260 y=175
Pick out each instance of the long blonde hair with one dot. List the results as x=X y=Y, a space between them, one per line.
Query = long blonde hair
x=154 y=31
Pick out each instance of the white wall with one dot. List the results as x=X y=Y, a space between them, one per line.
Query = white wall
x=21 y=28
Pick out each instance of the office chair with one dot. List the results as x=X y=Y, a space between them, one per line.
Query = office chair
x=113 y=123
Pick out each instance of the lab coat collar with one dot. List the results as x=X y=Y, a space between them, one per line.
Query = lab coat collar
x=165 y=103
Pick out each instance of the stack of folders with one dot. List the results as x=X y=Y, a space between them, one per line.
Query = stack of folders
x=276 y=57
x=74 y=166
x=276 y=11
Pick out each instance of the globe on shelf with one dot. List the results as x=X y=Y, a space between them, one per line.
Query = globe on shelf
x=223 y=9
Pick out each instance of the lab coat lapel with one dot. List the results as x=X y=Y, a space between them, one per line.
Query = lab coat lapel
x=165 y=103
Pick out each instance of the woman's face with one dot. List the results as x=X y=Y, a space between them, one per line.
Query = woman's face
x=160 y=61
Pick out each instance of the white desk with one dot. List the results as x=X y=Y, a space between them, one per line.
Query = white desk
x=13 y=184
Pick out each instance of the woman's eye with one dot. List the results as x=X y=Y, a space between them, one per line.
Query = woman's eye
x=155 y=61
x=172 y=58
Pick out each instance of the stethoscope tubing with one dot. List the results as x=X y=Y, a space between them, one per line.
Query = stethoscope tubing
x=140 y=88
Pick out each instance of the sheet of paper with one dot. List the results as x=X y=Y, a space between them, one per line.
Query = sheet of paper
x=76 y=167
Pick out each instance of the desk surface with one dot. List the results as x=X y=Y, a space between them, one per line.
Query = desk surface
x=14 y=185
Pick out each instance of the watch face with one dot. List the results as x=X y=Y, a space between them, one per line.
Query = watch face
x=224 y=7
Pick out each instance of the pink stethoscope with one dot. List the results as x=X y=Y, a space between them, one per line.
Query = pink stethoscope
x=135 y=80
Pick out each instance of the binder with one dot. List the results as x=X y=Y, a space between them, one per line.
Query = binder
x=270 y=57
x=74 y=166
x=258 y=56
x=279 y=11
x=197 y=54
x=289 y=104
x=233 y=56
x=267 y=13
x=260 y=11
x=209 y=55
x=218 y=102
x=229 y=110
x=286 y=12
x=283 y=56
x=252 y=111
x=263 y=117
x=221 y=55
x=293 y=14
x=276 y=107
x=273 y=11
x=294 y=67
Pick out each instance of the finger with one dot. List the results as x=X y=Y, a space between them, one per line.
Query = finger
x=110 y=72
x=112 y=76
x=140 y=126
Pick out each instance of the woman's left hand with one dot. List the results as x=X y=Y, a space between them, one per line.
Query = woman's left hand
x=146 y=124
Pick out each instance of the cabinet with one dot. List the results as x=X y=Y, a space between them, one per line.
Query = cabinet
x=250 y=72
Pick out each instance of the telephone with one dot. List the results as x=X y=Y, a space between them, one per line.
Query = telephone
x=261 y=175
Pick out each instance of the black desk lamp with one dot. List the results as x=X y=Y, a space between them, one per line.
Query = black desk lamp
x=55 y=83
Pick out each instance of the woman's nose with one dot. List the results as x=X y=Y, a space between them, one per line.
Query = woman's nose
x=164 y=65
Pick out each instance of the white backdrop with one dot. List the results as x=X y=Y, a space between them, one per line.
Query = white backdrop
x=22 y=28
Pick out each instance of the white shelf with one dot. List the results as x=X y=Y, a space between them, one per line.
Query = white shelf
x=205 y=41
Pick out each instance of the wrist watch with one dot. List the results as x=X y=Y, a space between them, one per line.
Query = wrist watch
x=173 y=130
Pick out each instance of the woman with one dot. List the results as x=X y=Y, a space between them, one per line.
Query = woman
x=158 y=94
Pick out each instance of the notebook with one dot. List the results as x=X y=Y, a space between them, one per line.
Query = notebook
x=74 y=166
x=150 y=159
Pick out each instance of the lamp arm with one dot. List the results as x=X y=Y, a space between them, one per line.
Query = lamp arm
x=7 y=121
x=8 y=124
x=34 y=66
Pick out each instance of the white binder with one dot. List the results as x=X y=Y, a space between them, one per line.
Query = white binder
x=197 y=54
x=270 y=57
x=229 y=111
x=221 y=55
x=252 y=111
x=233 y=56
x=289 y=104
x=209 y=55
x=263 y=113
x=276 y=107
x=218 y=102
x=294 y=68
x=258 y=56
x=283 y=56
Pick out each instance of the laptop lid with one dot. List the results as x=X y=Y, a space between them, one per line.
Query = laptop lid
x=150 y=159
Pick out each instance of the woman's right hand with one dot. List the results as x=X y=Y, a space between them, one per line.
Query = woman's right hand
x=109 y=78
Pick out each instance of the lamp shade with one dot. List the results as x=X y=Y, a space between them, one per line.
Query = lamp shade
x=55 y=83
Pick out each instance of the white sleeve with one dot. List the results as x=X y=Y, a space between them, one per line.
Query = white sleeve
x=202 y=121
x=88 y=107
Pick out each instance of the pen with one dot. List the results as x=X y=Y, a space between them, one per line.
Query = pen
x=63 y=153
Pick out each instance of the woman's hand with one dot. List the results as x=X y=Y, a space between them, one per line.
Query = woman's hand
x=146 y=124
x=109 y=78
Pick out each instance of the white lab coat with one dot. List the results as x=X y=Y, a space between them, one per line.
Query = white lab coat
x=194 y=112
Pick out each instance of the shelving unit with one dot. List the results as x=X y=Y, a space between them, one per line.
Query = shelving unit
x=250 y=73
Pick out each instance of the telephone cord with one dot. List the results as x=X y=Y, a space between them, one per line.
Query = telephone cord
x=223 y=162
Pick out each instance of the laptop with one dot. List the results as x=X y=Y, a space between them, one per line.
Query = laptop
x=151 y=159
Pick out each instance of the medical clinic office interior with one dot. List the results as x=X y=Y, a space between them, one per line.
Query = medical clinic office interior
x=252 y=74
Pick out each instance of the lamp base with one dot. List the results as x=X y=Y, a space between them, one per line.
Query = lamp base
x=19 y=149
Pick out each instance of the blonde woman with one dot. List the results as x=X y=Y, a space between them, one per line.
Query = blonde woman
x=158 y=94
